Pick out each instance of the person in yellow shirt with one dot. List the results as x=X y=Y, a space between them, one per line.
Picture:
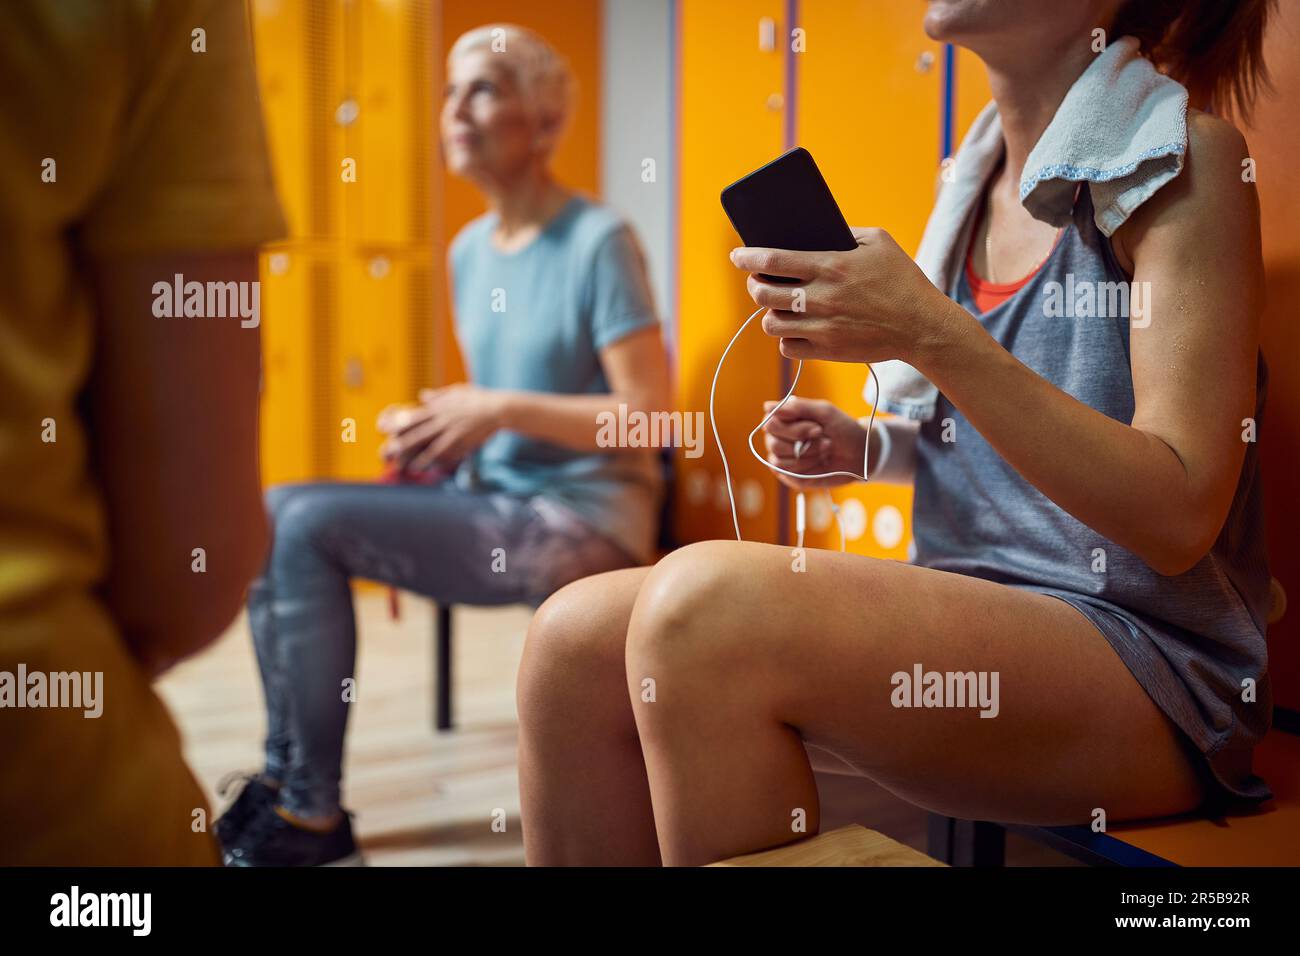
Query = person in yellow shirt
x=131 y=153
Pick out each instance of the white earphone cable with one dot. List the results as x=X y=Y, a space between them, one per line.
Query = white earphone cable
x=726 y=468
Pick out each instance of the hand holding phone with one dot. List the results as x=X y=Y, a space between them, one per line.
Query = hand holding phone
x=787 y=205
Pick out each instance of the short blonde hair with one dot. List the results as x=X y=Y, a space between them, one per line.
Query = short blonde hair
x=544 y=78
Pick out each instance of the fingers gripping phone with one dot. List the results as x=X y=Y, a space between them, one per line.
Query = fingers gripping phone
x=786 y=204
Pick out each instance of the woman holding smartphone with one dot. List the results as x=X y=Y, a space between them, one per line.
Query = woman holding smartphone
x=1087 y=519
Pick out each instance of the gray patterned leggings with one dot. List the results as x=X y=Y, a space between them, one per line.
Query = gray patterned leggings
x=452 y=545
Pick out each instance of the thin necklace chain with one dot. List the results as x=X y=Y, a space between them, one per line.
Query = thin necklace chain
x=988 y=232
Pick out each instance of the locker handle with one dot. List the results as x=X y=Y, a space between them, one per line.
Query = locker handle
x=354 y=375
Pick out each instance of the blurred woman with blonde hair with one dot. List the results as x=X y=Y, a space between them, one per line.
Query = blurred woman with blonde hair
x=508 y=495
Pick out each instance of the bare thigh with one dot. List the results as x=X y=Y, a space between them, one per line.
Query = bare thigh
x=585 y=645
x=818 y=650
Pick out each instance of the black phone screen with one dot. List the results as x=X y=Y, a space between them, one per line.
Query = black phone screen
x=786 y=204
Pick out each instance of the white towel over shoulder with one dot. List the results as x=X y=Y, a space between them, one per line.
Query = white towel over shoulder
x=1121 y=128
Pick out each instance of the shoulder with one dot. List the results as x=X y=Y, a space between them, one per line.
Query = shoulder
x=1211 y=196
x=595 y=228
x=1216 y=154
x=1213 y=136
x=467 y=238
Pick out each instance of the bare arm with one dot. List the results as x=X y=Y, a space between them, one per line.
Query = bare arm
x=1162 y=486
x=174 y=405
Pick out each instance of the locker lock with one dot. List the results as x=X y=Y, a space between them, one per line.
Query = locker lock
x=347 y=112
x=354 y=373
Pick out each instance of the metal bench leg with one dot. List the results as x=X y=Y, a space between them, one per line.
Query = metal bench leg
x=938 y=837
x=966 y=842
x=442 y=668
x=987 y=843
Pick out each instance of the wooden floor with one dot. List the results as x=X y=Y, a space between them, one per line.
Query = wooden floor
x=420 y=798
x=427 y=799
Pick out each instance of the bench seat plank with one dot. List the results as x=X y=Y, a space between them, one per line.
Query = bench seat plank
x=847 y=846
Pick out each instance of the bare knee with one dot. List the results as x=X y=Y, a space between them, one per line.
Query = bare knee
x=681 y=614
x=573 y=653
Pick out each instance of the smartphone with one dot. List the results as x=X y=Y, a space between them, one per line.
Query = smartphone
x=786 y=204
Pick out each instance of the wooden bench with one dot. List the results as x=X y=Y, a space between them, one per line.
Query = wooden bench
x=1268 y=836
x=848 y=846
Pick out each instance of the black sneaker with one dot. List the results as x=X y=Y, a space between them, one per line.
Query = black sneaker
x=255 y=793
x=271 y=840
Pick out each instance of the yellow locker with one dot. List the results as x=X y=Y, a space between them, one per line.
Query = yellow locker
x=381 y=350
x=280 y=54
x=349 y=304
x=870 y=92
x=392 y=130
x=870 y=111
x=286 y=378
x=299 y=313
x=730 y=120
x=299 y=50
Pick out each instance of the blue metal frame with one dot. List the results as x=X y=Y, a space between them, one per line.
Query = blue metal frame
x=1097 y=849
x=949 y=91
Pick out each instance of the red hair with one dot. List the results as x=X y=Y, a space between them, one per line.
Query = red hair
x=1215 y=48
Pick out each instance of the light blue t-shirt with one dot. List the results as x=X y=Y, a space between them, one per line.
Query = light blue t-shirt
x=535 y=320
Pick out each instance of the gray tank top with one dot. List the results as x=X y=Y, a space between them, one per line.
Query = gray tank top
x=1190 y=640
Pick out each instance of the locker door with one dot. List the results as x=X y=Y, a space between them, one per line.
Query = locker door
x=298 y=45
x=288 y=413
x=281 y=54
x=390 y=58
x=370 y=359
x=870 y=111
x=299 y=48
x=730 y=113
